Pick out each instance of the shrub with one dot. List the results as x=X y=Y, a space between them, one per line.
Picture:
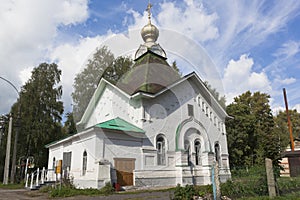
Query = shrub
x=107 y=189
x=203 y=190
x=184 y=193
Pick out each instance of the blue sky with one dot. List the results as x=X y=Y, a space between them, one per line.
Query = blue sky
x=253 y=45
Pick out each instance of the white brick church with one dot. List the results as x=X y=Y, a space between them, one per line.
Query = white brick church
x=153 y=128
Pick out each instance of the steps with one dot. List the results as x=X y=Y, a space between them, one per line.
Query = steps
x=37 y=179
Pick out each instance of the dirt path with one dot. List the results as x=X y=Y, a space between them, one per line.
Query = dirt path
x=22 y=194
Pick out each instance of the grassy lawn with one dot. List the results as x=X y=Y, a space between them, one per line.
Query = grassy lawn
x=291 y=196
x=12 y=186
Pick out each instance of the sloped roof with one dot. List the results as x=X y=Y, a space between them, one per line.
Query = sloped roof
x=150 y=74
x=117 y=124
x=120 y=125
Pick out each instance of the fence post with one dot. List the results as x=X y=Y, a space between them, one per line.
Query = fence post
x=31 y=183
x=27 y=177
x=43 y=175
x=37 y=177
x=270 y=178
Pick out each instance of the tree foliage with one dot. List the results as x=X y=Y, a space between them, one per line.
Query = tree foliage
x=69 y=125
x=175 y=67
x=41 y=111
x=216 y=94
x=281 y=127
x=250 y=132
x=102 y=64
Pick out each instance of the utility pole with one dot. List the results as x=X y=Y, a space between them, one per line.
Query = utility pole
x=6 y=167
x=14 y=158
x=13 y=168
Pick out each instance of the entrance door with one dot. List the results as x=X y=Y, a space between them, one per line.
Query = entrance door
x=124 y=169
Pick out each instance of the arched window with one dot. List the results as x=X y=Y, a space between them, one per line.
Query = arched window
x=187 y=148
x=84 y=163
x=217 y=153
x=53 y=163
x=197 y=152
x=161 y=150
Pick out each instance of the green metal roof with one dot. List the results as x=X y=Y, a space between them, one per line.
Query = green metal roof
x=120 y=125
x=151 y=73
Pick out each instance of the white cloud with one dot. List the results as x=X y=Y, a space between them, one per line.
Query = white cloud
x=239 y=78
x=28 y=29
x=288 y=49
x=192 y=20
x=286 y=81
x=227 y=28
x=25 y=74
x=297 y=107
x=243 y=26
x=71 y=59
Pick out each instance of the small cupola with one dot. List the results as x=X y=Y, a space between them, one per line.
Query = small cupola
x=150 y=34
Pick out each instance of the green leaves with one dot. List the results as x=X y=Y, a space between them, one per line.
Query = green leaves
x=103 y=64
x=250 y=133
x=41 y=111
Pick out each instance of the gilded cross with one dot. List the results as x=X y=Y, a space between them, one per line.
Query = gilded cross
x=149 y=11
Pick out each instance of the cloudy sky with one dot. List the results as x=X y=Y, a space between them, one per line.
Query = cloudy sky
x=246 y=45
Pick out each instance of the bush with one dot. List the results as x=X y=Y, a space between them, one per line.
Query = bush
x=107 y=189
x=68 y=190
x=184 y=193
x=203 y=190
x=246 y=183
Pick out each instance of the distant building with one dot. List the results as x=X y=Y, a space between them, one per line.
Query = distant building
x=285 y=161
x=153 y=128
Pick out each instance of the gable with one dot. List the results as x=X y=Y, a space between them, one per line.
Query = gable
x=104 y=92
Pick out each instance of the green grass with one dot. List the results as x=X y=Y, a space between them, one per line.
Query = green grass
x=69 y=191
x=290 y=196
x=251 y=184
x=12 y=186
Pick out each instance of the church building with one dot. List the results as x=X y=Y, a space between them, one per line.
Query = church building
x=152 y=128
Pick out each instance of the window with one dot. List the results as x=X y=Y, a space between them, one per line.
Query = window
x=53 y=163
x=222 y=127
x=160 y=146
x=198 y=152
x=203 y=106
x=67 y=160
x=187 y=150
x=190 y=110
x=217 y=153
x=84 y=163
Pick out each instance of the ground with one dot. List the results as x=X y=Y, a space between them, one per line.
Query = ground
x=24 y=194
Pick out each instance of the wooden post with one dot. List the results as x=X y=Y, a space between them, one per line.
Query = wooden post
x=289 y=121
x=270 y=178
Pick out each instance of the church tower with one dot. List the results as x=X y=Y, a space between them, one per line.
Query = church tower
x=151 y=72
